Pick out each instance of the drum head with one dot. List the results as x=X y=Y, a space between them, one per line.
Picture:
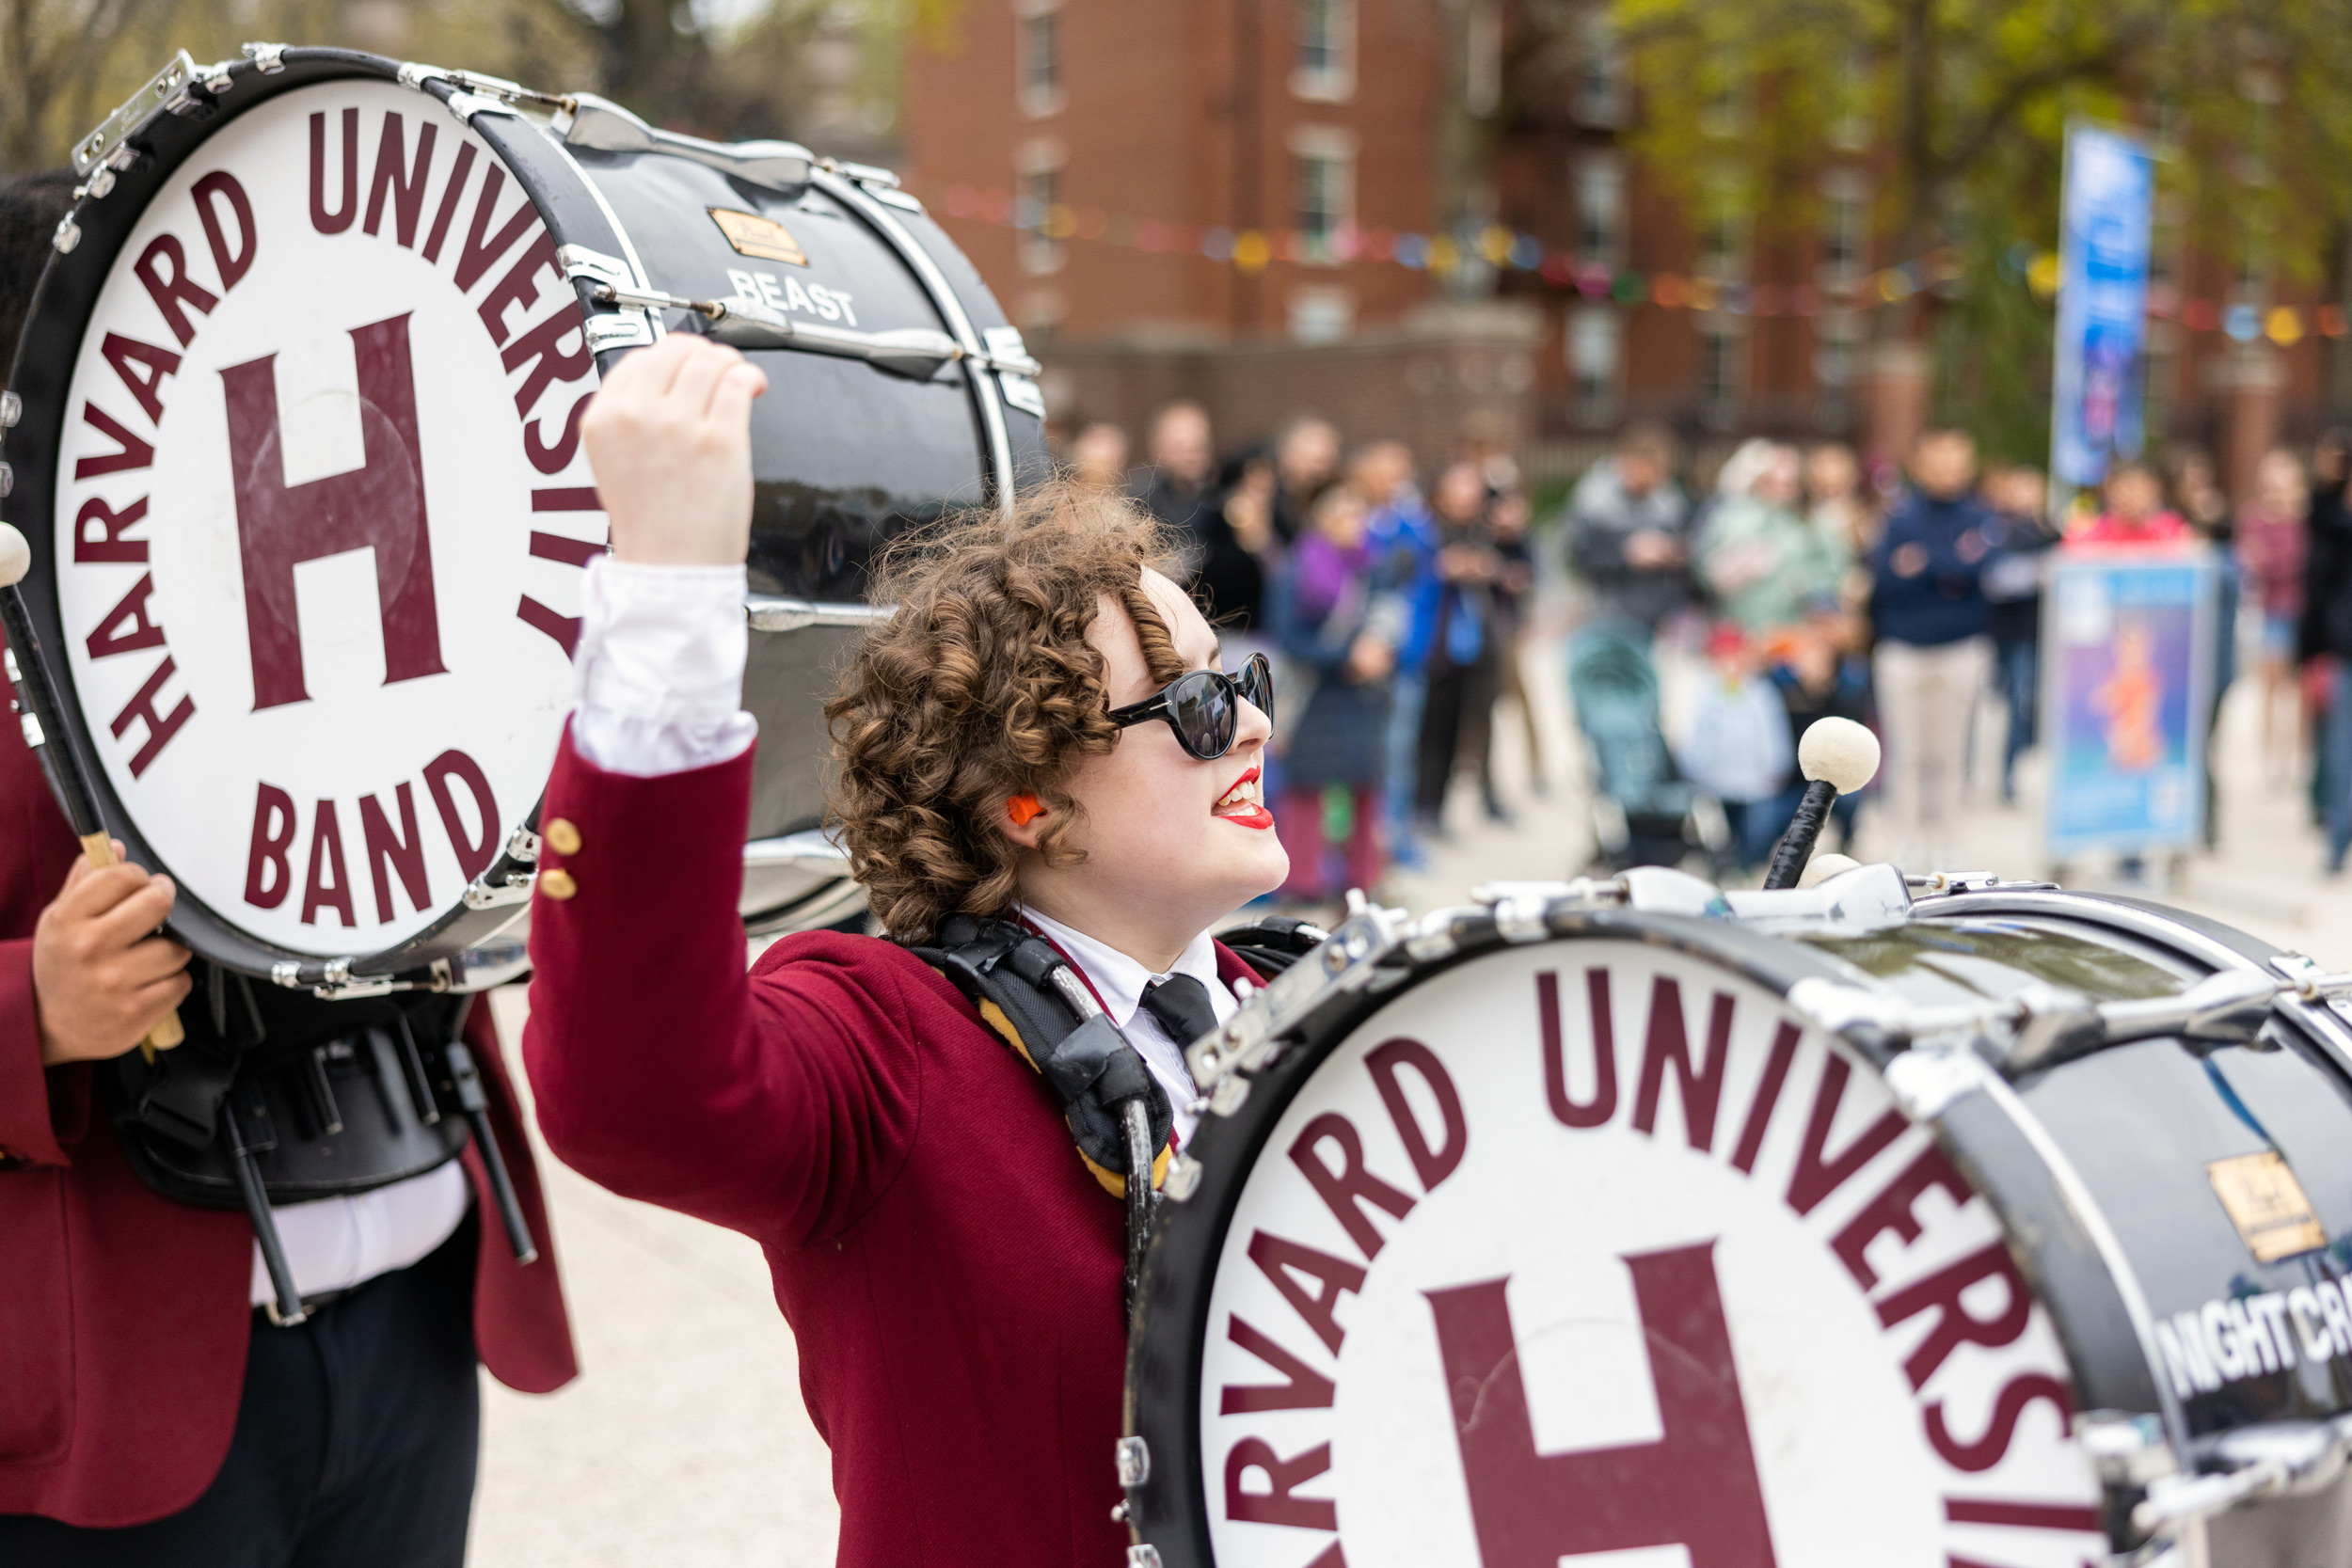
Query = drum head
x=317 y=513
x=1585 y=1248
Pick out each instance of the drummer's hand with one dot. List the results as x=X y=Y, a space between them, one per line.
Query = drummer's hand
x=668 y=436
x=101 y=978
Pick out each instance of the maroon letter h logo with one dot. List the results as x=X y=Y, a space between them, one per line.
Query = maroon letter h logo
x=1696 y=1487
x=381 y=506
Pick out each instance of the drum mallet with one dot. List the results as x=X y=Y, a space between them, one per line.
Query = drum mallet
x=42 y=722
x=1837 y=756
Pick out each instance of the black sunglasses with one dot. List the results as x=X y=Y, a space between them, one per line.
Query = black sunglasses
x=1204 y=707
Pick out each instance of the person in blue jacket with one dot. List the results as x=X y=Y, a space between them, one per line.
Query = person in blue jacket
x=1934 y=653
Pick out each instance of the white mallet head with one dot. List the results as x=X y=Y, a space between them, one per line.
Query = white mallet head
x=1839 y=751
x=1822 y=867
x=16 y=556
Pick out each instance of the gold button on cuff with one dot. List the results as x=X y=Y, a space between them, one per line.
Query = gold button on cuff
x=557 y=883
x=562 y=836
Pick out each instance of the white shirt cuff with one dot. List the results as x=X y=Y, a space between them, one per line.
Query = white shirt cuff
x=658 y=678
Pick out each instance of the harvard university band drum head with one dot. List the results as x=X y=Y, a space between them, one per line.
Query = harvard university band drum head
x=299 y=456
x=322 y=515
x=1587 y=1250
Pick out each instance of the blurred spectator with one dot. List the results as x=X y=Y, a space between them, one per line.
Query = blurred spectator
x=2270 y=551
x=1305 y=458
x=1341 y=633
x=1177 y=486
x=1834 y=504
x=1508 y=514
x=1933 y=657
x=1625 y=538
x=2134 y=513
x=2022 y=536
x=2198 y=497
x=1762 y=564
x=1098 y=456
x=1465 y=648
x=1735 y=742
x=1404 y=542
x=2324 y=640
x=1243 y=547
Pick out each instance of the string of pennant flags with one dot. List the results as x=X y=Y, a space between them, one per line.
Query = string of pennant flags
x=1251 y=250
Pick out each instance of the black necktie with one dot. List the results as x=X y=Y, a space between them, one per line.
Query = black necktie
x=1180 y=1004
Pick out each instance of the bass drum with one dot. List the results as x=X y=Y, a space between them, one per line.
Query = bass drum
x=296 y=442
x=1644 y=1223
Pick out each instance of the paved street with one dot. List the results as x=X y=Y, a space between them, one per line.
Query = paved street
x=684 y=1444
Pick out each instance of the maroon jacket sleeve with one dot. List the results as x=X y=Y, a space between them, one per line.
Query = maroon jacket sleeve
x=779 y=1105
x=43 y=1111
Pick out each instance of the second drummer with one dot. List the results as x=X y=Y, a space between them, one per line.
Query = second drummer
x=951 y=1269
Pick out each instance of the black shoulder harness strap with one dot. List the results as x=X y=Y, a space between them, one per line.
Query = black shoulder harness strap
x=1119 y=1114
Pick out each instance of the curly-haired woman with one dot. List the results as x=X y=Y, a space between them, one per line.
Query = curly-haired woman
x=950 y=1268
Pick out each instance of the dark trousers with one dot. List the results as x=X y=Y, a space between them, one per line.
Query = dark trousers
x=1456 y=721
x=2016 y=669
x=354 y=1445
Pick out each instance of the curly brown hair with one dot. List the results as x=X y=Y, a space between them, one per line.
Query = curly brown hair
x=983 y=686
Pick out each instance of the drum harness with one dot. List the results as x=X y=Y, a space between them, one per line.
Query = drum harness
x=277 y=1098
x=1027 y=991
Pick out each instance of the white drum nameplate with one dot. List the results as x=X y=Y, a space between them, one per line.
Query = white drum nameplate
x=322 y=517
x=1699 y=1297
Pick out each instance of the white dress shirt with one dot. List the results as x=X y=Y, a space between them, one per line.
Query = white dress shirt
x=658 y=687
x=335 y=1243
x=1119 y=981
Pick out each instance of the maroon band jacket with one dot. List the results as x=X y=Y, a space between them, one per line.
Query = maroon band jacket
x=123 y=1316
x=950 y=1270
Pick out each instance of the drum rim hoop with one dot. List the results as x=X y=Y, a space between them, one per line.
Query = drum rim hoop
x=48 y=354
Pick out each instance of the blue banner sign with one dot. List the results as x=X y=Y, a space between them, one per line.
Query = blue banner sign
x=2127 y=692
x=2104 y=218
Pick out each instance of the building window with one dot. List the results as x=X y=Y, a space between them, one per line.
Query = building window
x=1038 y=52
x=1595 y=351
x=1837 y=355
x=1724 y=245
x=1845 y=226
x=1037 y=209
x=1601 y=226
x=1599 y=95
x=1321 y=314
x=1322 y=193
x=1722 y=372
x=1322 y=66
x=1849 y=123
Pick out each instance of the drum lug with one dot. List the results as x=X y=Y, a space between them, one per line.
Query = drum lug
x=523 y=844
x=1926 y=1084
x=11 y=410
x=7 y=480
x=491 y=891
x=1134 y=1463
x=271 y=58
x=166 y=90
x=1144 y=1556
x=1183 y=1177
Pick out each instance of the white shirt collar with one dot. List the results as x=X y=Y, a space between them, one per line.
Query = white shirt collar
x=1118 y=979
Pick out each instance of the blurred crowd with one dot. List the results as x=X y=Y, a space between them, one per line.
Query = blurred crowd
x=1715 y=624
x=1392 y=602
x=1909 y=608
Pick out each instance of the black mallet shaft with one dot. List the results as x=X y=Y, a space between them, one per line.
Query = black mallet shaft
x=1837 y=756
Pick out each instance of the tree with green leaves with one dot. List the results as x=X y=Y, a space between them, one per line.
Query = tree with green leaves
x=1957 y=109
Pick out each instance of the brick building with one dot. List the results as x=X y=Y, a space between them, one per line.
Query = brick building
x=1222 y=199
x=1192 y=191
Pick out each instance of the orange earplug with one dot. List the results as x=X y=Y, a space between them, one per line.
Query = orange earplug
x=1023 y=809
